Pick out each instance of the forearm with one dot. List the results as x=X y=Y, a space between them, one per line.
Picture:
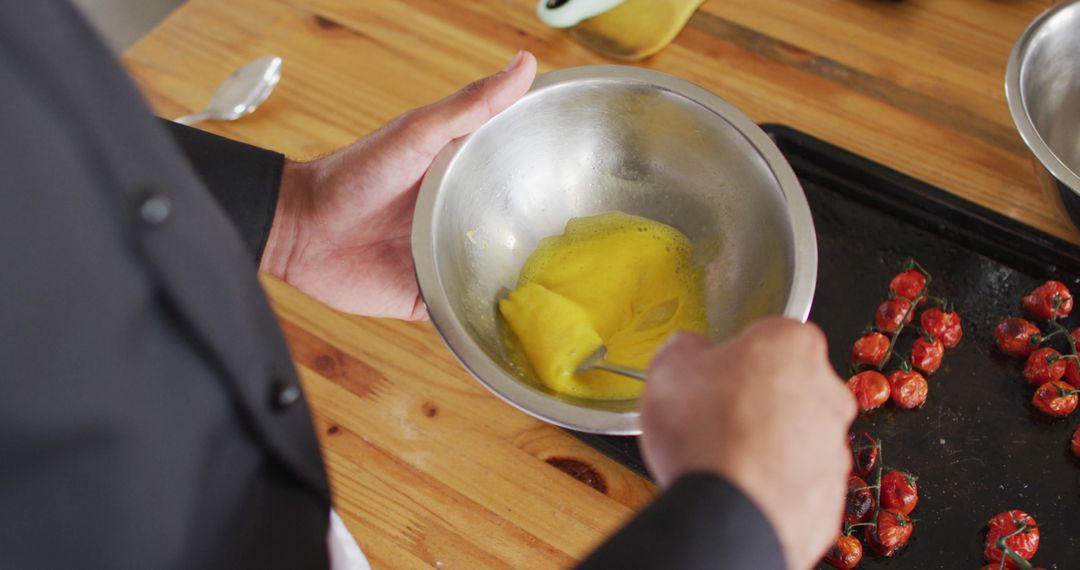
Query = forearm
x=701 y=521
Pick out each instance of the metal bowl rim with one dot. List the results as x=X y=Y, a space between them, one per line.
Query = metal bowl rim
x=1017 y=108
x=511 y=389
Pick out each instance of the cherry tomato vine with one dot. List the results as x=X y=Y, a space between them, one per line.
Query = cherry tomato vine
x=1013 y=549
x=1015 y=336
x=939 y=328
x=1048 y=304
x=868 y=459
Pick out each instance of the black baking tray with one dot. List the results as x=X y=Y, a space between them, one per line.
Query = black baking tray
x=977 y=446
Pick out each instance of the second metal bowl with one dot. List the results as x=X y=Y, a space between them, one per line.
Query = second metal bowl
x=1042 y=85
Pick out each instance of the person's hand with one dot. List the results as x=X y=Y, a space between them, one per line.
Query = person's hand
x=765 y=411
x=341 y=231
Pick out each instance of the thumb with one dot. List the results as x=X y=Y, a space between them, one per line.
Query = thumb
x=428 y=129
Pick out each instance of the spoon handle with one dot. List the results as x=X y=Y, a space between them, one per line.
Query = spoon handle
x=193 y=118
x=623 y=370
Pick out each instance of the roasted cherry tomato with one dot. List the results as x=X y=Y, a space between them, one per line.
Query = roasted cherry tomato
x=926 y=354
x=908 y=389
x=899 y=492
x=908 y=284
x=1044 y=365
x=939 y=324
x=1076 y=442
x=1024 y=544
x=1049 y=300
x=860 y=501
x=870 y=349
x=845 y=553
x=1017 y=337
x=864 y=453
x=1056 y=399
x=871 y=389
x=892 y=313
x=891 y=534
x=1072 y=370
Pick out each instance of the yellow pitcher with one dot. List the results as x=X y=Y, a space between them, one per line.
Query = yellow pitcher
x=627 y=30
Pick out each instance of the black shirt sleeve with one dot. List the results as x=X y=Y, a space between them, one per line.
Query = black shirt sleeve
x=701 y=521
x=244 y=179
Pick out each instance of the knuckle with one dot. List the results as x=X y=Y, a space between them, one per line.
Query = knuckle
x=409 y=118
x=767 y=331
x=473 y=91
x=844 y=462
x=680 y=344
x=848 y=407
x=677 y=340
x=804 y=337
x=411 y=122
x=662 y=362
x=771 y=325
x=815 y=337
x=657 y=371
x=684 y=355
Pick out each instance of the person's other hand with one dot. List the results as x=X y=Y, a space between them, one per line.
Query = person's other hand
x=341 y=231
x=765 y=411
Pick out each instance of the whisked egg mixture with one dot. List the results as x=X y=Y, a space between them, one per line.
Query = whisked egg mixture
x=614 y=279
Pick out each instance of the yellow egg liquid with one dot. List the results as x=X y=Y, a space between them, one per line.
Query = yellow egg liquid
x=614 y=279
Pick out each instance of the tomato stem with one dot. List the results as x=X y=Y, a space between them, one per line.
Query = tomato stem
x=1059 y=329
x=1055 y=304
x=1009 y=552
x=877 y=483
x=876 y=487
x=1063 y=393
x=913 y=303
x=940 y=302
x=1043 y=339
x=915 y=264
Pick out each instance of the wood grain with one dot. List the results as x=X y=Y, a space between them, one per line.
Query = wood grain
x=425 y=464
x=427 y=468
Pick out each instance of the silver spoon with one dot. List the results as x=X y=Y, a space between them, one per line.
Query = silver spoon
x=595 y=361
x=241 y=93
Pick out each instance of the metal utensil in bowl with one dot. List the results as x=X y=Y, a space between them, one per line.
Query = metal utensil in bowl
x=241 y=93
x=598 y=361
x=588 y=140
x=1042 y=86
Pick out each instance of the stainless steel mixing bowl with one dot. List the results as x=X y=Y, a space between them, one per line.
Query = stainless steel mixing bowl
x=1042 y=85
x=588 y=140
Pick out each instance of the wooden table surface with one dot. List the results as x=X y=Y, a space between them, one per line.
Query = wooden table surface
x=428 y=468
